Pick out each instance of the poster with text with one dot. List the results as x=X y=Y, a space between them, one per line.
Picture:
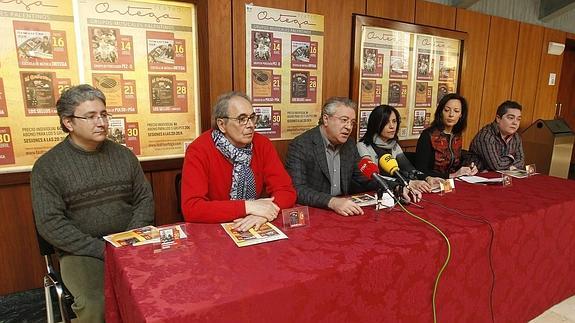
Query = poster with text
x=127 y=50
x=37 y=62
x=284 y=69
x=408 y=71
x=143 y=56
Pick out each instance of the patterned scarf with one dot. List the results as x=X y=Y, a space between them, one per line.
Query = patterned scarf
x=243 y=180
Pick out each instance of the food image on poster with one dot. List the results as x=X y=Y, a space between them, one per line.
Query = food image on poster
x=111 y=86
x=442 y=90
x=265 y=118
x=266 y=50
x=39 y=46
x=299 y=85
x=446 y=69
x=3 y=107
x=266 y=87
x=372 y=63
x=418 y=120
x=117 y=130
x=363 y=119
x=398 y=65
x=38 y=88
x=110 y=50
x=165 y=53
x=367 y=91
x=262 y=83
x=162 y=90
x=423 y=93
x=424 y=67
x=303 y=52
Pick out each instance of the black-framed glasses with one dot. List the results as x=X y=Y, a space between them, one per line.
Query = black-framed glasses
x=243 y=119
x=105 y=117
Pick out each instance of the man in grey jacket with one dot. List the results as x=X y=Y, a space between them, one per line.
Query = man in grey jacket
x=84 y=188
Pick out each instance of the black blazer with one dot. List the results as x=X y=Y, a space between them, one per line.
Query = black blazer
x=307 y=165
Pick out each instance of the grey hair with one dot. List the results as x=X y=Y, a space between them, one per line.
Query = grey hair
x=73 y=97
x=331 y=103
x=222 y=105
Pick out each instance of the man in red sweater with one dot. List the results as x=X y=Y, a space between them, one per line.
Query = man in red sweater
x=230 y=170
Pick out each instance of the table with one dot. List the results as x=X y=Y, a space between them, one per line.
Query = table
x=379 y=267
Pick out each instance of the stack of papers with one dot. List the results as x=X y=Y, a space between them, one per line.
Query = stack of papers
x=481 y=180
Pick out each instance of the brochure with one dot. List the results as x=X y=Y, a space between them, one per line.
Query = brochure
x=517 y=173
x=138 y=237
x=267 y=232
x=364 y=199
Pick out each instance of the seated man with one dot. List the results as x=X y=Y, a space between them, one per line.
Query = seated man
x=323 y=163
x=84 y=188
x=228 y=171
x=497 y=146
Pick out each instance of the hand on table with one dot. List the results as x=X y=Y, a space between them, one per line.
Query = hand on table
x=411 y=196
x=344 y=206
x=248 y=222
x=265 y=208
x=421 y=186
x=466 y=171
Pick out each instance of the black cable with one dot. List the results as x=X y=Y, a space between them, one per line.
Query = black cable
x=482 y=220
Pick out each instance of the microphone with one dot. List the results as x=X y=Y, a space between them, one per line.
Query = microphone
x=370 y=170
x=389 y=165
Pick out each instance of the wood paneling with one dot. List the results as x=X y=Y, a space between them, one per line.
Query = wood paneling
x=527 y=69
x=220 y=52
x=204 y=63
x=476 y=25
x=338 y=21
x=566 y=95
x=503 y=35
x=165 y=199
x=402 y=10
x=239 y=33
x=434 y=14
x=22 y=267
x=547 y=94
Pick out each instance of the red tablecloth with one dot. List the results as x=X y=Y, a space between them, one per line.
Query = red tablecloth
x=379 y=267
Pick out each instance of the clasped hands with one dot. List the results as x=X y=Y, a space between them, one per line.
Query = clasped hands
x=258 y=212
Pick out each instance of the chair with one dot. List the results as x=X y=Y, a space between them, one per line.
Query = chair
x=178 y=183
x=52 y=280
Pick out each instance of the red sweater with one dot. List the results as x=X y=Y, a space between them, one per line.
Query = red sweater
x=207 y=180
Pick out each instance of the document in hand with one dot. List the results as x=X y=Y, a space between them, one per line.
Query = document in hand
x=267 y=232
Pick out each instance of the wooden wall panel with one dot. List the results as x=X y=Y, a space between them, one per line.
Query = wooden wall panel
x=21 y=267
x=337 y=43
x=434 y=14
x=220 y=54
x=503 y=35
x=165 y=199
x=402 y=10
x=527 y=70
x=547 y=94
x=476 y=25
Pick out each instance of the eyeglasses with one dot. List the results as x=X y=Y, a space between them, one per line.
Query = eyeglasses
x=346 y=121
x=105 y=117
x=243 y=119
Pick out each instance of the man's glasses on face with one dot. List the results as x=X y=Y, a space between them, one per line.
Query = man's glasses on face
x=243 y=119
x=104 y=117
x=346 y=121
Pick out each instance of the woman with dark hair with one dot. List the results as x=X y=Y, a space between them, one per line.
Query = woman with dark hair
x=439 y=146
x=381 y=138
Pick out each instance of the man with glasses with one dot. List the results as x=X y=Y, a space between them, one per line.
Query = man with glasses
x=232 y=173
x=84 y=188
x=323 y=163
x=498 y=146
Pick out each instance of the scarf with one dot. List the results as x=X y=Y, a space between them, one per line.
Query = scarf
x=243 y=180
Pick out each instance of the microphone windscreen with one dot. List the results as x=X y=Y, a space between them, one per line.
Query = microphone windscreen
x=368 y=168
x=388 y=164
